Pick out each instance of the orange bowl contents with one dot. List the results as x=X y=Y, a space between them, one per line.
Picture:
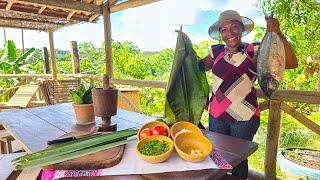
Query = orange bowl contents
x=183 y=126
x=193 y=147
x=155 y=149
x=153 y=128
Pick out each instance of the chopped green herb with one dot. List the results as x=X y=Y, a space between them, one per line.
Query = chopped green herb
x=154 y=148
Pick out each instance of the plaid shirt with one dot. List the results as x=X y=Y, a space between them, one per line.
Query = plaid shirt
x=233 y=94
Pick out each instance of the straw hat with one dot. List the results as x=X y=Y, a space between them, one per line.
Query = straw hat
x=227 y=15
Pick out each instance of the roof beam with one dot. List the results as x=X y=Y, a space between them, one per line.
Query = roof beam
x=93 y=17
x=42 y=9
x=64 y=4
x=130 y=4
x=8 y=6
x=25 y=25
x=70 y=14
x=112 y=2
x=98 y=2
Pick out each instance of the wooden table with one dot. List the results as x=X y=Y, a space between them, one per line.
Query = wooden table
x=35 y=126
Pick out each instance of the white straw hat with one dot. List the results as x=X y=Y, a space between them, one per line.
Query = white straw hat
x=228 y=15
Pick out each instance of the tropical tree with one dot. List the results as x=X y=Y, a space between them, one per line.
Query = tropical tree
x=10 y=63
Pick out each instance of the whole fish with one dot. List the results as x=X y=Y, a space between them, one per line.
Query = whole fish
x=270 y=62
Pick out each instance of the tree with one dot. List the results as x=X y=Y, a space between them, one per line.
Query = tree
x=10 y=63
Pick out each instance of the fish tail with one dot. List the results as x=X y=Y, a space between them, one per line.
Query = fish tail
x=268 y=84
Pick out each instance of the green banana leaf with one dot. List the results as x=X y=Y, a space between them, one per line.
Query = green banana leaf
x=187 y=92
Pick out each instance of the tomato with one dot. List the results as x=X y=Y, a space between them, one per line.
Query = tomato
x=159 y=130
x=145 y=133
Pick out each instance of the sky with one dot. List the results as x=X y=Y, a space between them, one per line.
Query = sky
x=150 y=27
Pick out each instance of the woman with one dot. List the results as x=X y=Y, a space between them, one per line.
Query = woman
x=233 y=108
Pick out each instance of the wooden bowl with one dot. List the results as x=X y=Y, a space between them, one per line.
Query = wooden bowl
x=151 y=124
x=156 y=158
x=185 y=143
x=184 y=126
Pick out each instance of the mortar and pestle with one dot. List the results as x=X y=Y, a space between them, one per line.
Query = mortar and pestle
x=105 y=101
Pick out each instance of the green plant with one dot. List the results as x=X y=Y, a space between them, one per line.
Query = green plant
x=83 y=95
x=10 y=63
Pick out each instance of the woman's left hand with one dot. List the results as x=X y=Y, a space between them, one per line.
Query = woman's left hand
x=273 y=25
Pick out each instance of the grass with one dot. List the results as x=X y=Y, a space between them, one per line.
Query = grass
x=293 y=134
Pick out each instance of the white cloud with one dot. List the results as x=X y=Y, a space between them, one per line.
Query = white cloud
x=150 y=27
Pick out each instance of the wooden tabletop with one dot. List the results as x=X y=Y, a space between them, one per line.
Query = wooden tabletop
x=33 y=127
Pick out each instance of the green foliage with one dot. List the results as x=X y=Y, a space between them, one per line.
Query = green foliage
x=64 y=67
x=82 y=95
x=10 y=63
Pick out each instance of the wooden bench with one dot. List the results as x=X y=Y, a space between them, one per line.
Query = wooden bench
x=5 y=141
x=6 y=169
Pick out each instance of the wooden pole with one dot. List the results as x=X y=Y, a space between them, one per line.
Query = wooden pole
x=272 y=140
x=75 y=57
x=45 y=56
x=107 y=45
x=52 y=56
x=4 y=35
x=22 y=40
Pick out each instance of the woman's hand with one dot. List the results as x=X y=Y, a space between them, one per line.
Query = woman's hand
x=273 y=25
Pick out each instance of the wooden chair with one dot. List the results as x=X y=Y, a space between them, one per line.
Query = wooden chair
x=57 y=91
x=22 y=97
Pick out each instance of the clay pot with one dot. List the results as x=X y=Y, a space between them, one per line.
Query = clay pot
x=84 y=113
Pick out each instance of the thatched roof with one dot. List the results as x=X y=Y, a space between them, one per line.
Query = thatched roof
x=49 y=15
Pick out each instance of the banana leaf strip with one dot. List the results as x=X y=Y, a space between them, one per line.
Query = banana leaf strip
x=187 y=92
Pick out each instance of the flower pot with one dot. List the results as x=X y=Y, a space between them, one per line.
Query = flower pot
x=293 y=168
x=84 y=113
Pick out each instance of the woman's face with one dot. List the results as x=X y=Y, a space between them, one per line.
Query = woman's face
x=231 y=33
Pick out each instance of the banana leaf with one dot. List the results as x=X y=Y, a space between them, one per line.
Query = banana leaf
x=187 y=92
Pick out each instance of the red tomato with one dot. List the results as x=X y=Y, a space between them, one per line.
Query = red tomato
x=159 y=130
x=144 y=133
x=165 y=133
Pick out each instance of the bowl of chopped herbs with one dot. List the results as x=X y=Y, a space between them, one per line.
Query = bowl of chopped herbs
x=155 y=148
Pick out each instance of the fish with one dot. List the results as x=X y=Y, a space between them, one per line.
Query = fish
x=270 y=63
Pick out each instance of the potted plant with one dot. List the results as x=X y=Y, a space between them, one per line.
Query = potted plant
x=82 y=105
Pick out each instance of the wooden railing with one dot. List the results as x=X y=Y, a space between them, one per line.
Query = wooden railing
x=275 y=104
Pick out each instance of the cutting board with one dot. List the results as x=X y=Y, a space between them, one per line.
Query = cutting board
x=100 y=160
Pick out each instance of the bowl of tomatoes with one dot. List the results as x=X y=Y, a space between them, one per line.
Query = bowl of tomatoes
x=153 y=128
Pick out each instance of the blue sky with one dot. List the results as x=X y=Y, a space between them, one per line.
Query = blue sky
x=150 y=27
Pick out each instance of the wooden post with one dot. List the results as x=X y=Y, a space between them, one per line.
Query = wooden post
x=22 y=40
x=107 y=43
x=4 y=35
x=52 y=56
x=45 y=56
x=75 y=57
x=272 y=140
